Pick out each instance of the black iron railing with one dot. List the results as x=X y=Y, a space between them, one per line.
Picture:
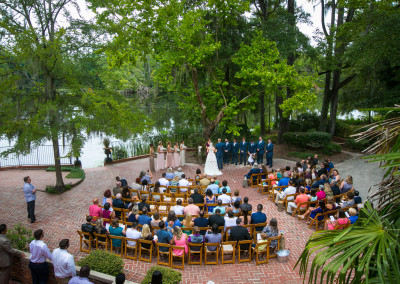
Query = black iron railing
x=43 y=155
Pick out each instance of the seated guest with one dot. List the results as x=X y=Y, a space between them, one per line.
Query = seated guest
x=272 y=176
x=301 y=198
x=183 y=184
x=197 y=197
x=235 y=208
x=116 y=230
x=313 y=173
x=134 y=215
x=288 y=191
x=350 y=200
x=164 y=183
x=133 y=233
x=196 y=238
x=100 y=229
x=263 y=240
x=88 y=227
x=357 y=198
x=230 y=220
x=224 y=185
x=216 y=218
x=146 y=176
x=335 y=190
x=329 y=163
x=307 y=174
x=295 y=179
x=134 y=201
x=169 y=174
x=155 y=220
x=136 y=185
x=288 y=171
x=312 y=212
x=198 y=176
x=353 y=215
x=201 y=222
x=313 y=195
x=279 y=173
x=204 y=181
x=236 y=196
x=144 y=219
x=322 y=170
x=123 y=181
x=191 y=208
x=328 y=190
x=272 y=231
x=210 y=199
x=179 y=173
x=118 y=188
x=321 y=193
x=255 y=170
x=220 y=207
x=172 y=218
x=144 y=204
x=156 y=189
x=187 y=223
x=258 y=217
x=174 y=182
x=284 y=181
x=146 y=235
x=94 y=209
x=145 y=188
x=213 y=236
x=341 y=221
x=118 y=203
x=178 y=208
x=126 y=195
x=299 y=167
x=213 y=187
x=246 y=205
x=315 y=160
x=226 y=199
x=163 y=236
x=107 y=194
x=246 y=217
x=240 y=233
x=321 y=181
x=347 y=184
x=106 y=212
x=83 y=277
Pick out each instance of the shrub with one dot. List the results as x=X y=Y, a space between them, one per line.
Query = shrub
x=169 y=276
x=359 y=146
x=20 y=237
x=307 y=139
x=300 y=155
x=103 y=261
x=119 y=152
x=304 y=122
x=332 y=148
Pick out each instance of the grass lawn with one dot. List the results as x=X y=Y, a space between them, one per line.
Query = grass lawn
x=75 y=173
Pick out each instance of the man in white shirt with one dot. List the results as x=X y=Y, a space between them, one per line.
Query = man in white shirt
x=164 y=183
x=183 y=184
x=226 y=199
x=178 y=208
x=39 y=252
x=289 y=190
x=133 y=233
x=83 y=277
x=63 y=262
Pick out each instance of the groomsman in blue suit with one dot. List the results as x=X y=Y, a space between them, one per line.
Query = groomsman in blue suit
x=220 y=153
x=243 y=150
x=227 y=150
x=270 y=153
x=260 y=150
x=234 y=151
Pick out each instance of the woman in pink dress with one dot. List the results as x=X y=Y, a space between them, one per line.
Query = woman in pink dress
x=177 y=158
x=160 y=157
x=180 y=239
x=170 y=155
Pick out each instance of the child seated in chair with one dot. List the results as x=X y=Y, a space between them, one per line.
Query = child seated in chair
x=262 y=240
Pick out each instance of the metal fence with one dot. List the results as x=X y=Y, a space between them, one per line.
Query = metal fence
x=43 y=155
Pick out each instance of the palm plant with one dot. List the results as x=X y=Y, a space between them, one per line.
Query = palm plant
x=369 y=250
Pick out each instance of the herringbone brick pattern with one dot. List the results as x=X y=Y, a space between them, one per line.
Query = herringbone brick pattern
x=61 y=215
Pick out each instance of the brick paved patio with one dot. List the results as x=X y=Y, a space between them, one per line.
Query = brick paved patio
x=61 y=215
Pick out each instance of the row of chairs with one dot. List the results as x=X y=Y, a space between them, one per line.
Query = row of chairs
x=165 y=256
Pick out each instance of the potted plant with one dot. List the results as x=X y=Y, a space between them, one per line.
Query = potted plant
x=107 y=150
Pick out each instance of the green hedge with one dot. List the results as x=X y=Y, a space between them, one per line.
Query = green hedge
x=169 y=276
x=331 y=148
x=307 y=139
x=359 y=146
x=20 y=237
x=103 y=261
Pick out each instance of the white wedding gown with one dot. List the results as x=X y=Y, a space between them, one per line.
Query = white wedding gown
x=211 y=167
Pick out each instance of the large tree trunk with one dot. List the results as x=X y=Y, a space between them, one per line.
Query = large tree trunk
x=57 y=164
x=262 y=113
x=323 y=119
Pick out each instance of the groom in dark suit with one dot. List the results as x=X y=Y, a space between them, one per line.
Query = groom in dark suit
x=260 y=150
x=227 y=150
x=220 y=153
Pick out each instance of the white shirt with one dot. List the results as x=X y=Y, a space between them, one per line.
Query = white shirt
x=39 y=251
x=230 y=222
x=183 y=182
x=163 y=182
x=226 y=199
x=79 y=280
x=287 y=191
x=63 y=263
x=132 y=234
x=178 y=209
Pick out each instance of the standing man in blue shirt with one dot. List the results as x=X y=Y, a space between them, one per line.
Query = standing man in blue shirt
x=260 y=150
x=270 y=153
x=220 y=153
x=243 y=150
x=227 y=150
x=30 y=197
x=234 y=152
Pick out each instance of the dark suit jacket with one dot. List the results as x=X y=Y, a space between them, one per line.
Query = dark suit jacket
x=261 y=147
x=6 y=251
x=197 y=198
x=270 y=149
x=88 y=228
x=235 y=148
x=227 y=147
x=141 y=205
x=252 y=172
x=220 y=149
x=240 y=233
x=218 y=219
x=243 y=147
x=252 y=148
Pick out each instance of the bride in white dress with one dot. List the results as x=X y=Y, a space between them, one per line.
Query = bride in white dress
x=211 y=167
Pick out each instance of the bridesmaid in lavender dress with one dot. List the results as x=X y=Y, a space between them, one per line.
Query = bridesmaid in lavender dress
x=160 y=157
x=170 y=155
x=177 y=158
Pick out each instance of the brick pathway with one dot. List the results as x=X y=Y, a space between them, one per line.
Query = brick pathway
x=61 y=215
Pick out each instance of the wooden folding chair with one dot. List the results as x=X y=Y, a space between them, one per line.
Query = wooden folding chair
x=193 y=252
x=272 y=252
x=228 y=248
x=116 y=239
x=248 y=250
x=87 y=241
x=259 y=251
x=259 y=225
x=272 y=192
x=286 y=201
x=210 y=252
x=301 y=208
x=143 y=249
x=182 y=257
x=163 y=253
x=254 y=180
x=127 y=246
x=101 y=240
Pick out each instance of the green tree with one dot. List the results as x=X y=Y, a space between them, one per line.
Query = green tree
x=42 y=96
